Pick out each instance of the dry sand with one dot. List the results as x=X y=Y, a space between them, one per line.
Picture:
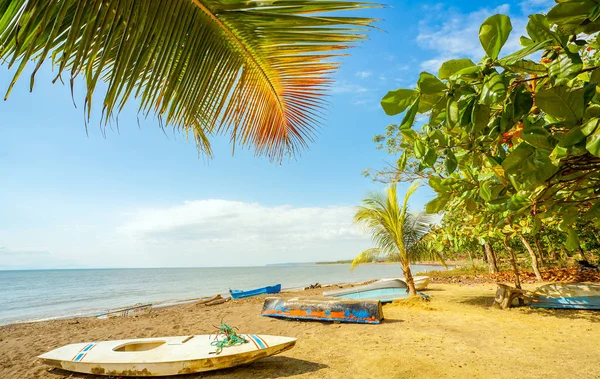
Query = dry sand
x=460 y=337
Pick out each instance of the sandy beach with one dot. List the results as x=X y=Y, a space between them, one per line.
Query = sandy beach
x=459 y=336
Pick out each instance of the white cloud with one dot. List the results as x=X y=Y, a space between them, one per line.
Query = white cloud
x=193 y=233
x=221 y=232
x=343 y=86
x=456 y=35
x=363 y=74
x=535 y=6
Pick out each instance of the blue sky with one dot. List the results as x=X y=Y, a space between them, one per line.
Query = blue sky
x=139 y=198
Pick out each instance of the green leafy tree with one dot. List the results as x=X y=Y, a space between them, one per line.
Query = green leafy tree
x=256 y=71
x=396 y=232
x=512 y=141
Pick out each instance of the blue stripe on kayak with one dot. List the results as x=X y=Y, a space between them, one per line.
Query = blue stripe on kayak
x=88 y=347
x=79 y=357
x=258 y=341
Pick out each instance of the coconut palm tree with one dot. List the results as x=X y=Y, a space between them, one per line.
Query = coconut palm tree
x=396 y=232
x=256 y=70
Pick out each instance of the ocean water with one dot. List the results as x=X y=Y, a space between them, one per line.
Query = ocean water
x=46 y=294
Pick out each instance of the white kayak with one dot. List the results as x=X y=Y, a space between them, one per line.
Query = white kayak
x=163 y=355
x=421 y=282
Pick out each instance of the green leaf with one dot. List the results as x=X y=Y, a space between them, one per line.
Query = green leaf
x=524 y=41
x=571 y=12
x=517 y=202
x=450 y=163
x=592 y=143
x=409 y=135
x=453 y=66
x=561 y=102
x=437 y=205
x=436 y=183
x=538 y=28
x=430 y=157
x=493 y=90
x=429 y=84
x=480 y=117
x=409 y=116
x=564 y=68
x=523 y=53
x=451 y=112
x=493 y=34
x=396 y=102
x=527 y=66
x=523 y=101
x=572 y=242
x=402 y=161
x=471 y=72
x=537 y=136
x=420 y=149
x=590 y=126
x=572 y=137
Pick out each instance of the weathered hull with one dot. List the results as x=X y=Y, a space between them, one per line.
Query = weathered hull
x=236 y=294
x=383 y=290
x=363 y=312
x=567 y=296
x=421 y=282
x=174 y=356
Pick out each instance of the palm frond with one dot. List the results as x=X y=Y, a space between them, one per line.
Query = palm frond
x=255 y=70
x=366 y=256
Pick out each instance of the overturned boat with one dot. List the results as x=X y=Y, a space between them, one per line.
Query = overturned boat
x=162 y=356
x=421 y=281
x=341 y=310
x=239 y=294
x=566 y=296
x=384 y=291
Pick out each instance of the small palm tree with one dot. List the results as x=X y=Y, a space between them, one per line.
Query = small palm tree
x=397 y=233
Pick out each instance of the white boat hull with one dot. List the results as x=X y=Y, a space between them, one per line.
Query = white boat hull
x=421 y=282
x=163 y=356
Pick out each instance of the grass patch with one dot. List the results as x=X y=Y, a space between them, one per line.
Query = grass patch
x=459 y=271
x=416 y=302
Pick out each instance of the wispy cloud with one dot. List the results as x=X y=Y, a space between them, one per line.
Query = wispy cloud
x=534 y=6
x=4 y=251
x=235 y=230
x=363 y=74
x=456 y=35
x=344 y=86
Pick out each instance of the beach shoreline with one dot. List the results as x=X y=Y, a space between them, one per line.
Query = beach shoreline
x=442 y=341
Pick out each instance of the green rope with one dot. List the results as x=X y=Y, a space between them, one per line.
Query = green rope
x=231 y=338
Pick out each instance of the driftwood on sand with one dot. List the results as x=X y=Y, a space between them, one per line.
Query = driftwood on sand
x=221 y=300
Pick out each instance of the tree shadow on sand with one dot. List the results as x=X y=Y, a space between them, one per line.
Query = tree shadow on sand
x=272 y=367
x=487 y=301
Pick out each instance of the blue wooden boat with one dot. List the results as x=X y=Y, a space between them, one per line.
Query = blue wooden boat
x=334 y=310
x=385 y=291
x=566 y=296
x=238 y=294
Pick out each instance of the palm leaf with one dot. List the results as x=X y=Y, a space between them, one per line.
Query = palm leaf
x=366 y=256
x=255 y=70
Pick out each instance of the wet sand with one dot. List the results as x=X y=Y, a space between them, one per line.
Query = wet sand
x=459 y=337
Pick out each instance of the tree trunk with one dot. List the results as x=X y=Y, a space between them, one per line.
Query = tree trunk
x=491 y=257
x=513 y=262
x=409 y=279
x=540 y=250
x=534 y=260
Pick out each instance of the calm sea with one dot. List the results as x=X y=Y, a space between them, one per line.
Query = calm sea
x=46 y=294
